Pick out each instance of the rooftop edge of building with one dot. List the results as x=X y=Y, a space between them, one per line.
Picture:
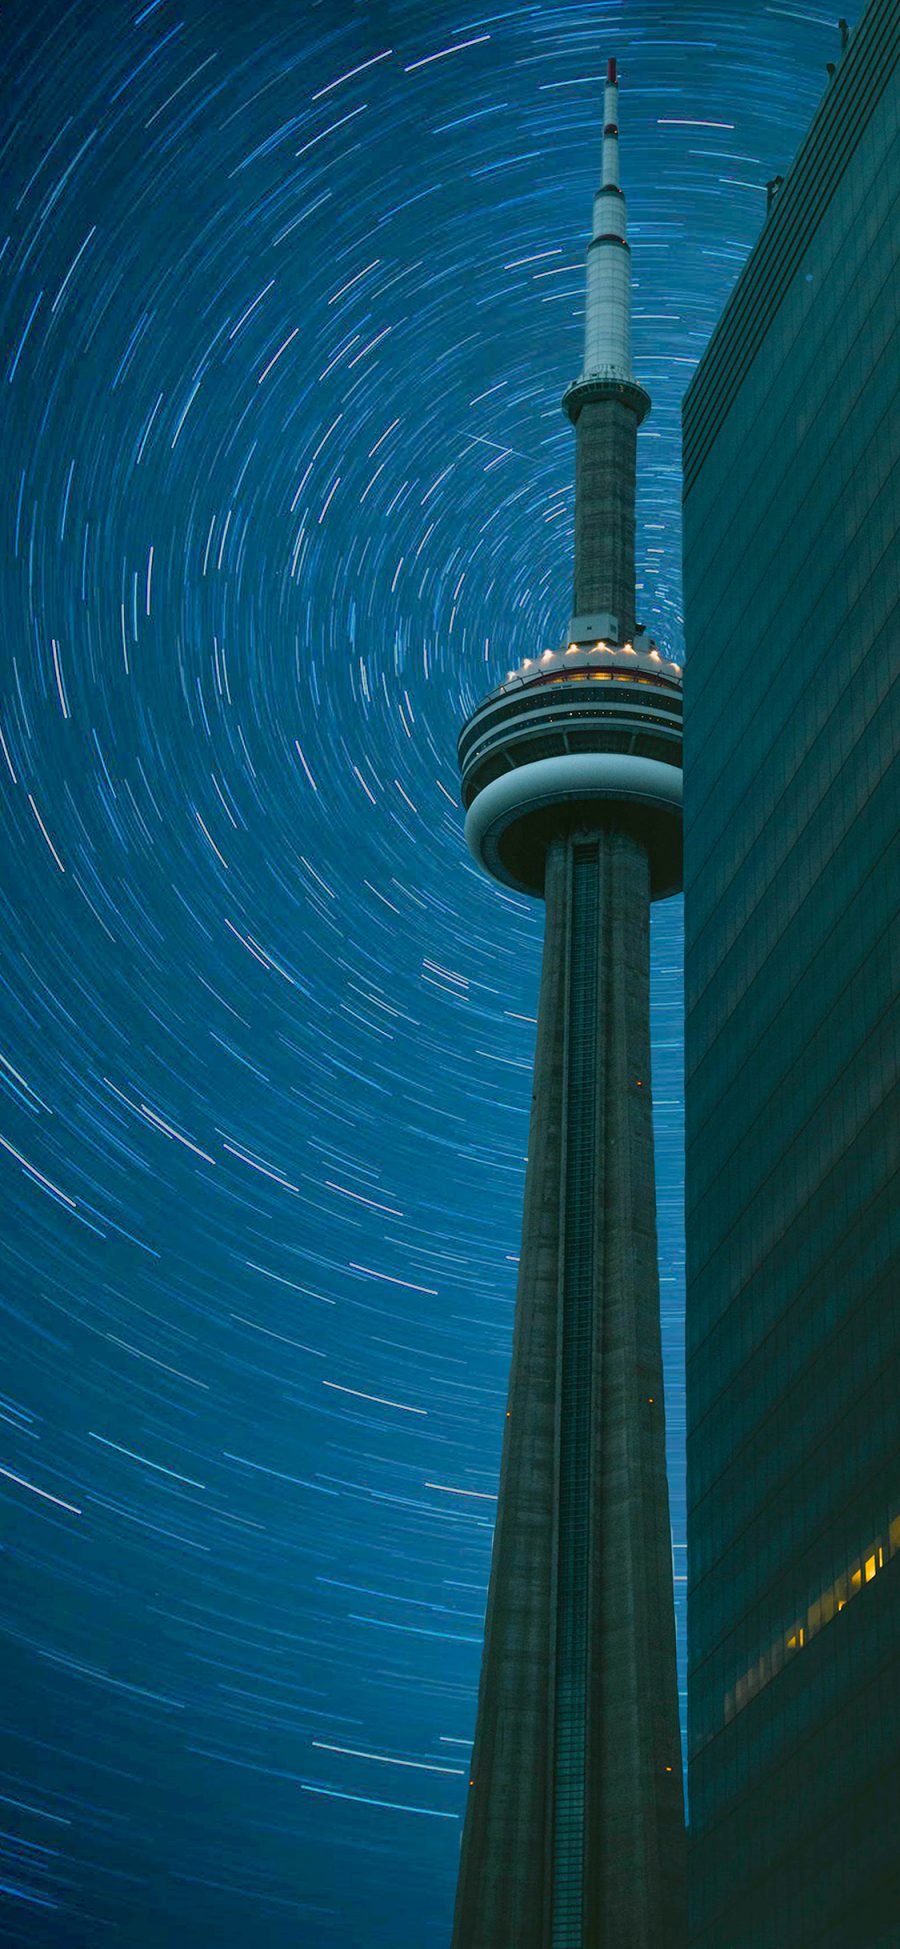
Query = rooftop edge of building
x=825 y=153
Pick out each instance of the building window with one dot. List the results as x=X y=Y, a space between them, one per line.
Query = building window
x=828 y=1604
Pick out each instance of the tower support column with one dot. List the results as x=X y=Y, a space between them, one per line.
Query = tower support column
x=574 y=1829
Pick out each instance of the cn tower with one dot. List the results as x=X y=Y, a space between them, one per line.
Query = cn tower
x=571 y=780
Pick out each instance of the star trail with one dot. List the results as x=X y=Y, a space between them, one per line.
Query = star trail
x=288 y=300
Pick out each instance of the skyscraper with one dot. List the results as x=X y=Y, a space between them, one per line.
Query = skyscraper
x=571 y=777
x=792 y=724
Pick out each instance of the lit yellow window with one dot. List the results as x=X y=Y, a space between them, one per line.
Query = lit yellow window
x=820 y=1612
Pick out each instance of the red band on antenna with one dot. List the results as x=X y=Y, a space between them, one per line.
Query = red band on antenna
x=611 y=79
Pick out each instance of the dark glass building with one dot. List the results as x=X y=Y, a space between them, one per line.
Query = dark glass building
x=792 y=720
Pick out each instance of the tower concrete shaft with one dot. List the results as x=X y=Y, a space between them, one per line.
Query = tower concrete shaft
x=605 y=479
x=574 y=1831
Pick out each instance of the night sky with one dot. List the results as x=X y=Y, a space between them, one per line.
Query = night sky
x=288 y=299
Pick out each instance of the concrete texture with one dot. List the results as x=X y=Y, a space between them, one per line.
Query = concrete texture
x=605 y=472
x=574 y=1833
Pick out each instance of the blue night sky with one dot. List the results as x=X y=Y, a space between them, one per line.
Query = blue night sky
x=289 y=297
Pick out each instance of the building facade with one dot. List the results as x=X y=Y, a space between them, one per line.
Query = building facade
x=571 y=779
x=792 y=727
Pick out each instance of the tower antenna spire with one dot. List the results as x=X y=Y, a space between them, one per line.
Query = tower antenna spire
x=607 y=327
x=606 y=406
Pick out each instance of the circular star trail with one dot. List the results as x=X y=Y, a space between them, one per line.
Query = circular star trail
x=289 y=297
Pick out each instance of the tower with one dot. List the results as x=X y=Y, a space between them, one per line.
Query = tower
x=571 y=779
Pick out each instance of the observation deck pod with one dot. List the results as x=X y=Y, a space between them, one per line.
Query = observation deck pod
x=589 y=736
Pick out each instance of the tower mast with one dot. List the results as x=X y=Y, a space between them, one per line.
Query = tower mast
x=571 y=779
x=606 y=406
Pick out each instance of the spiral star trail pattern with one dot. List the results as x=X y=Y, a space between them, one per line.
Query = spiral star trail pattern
x=289 y=297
